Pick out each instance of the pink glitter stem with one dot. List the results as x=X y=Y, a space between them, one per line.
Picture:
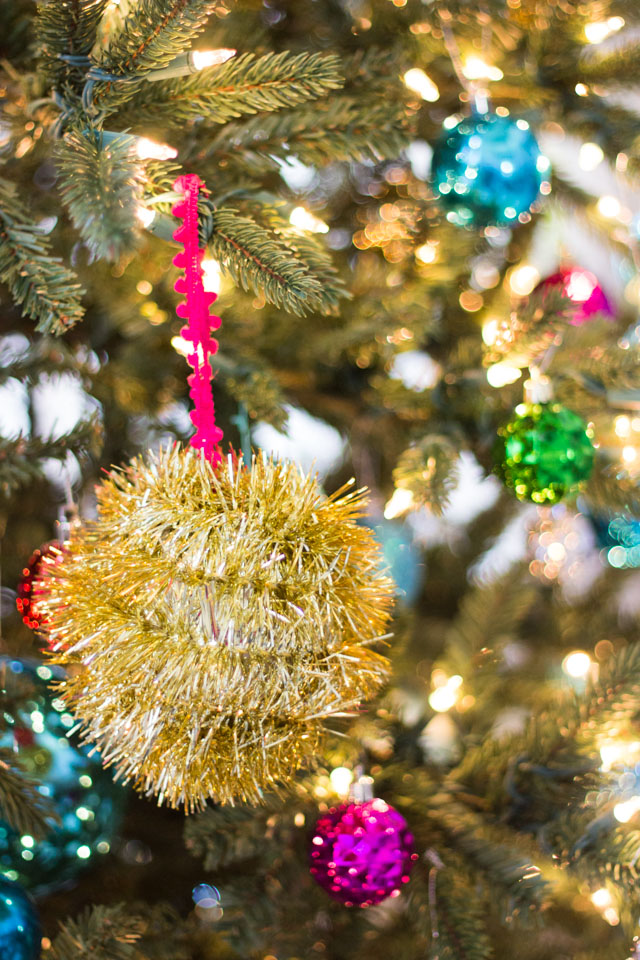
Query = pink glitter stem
x=195 y=310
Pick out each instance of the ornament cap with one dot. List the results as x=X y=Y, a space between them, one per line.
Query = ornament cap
x=361 y=790
x=538 y=388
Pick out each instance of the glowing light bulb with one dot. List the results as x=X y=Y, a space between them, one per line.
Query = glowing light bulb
x=490 y=331
x=181 y=346
x=476 y=69
x=304 y=220
x=591 y=156
x=500 y=374
x=629 y=454
x=623 y=812
x=599 y=31
x=418 y=81
x=523 y=279
x=212 y=275
x=444 y=697
x=622 y=426
x=150 y=150
x=580 y=285
x=341 y=779
x=210 y=58
x=601 y=898
x=427 y=253
x=609 y=206
x=145 y=216
x=401 y=501
x=577 y=664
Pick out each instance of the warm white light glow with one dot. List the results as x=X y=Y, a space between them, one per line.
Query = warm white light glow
x=500 y=374
x=145 y=216
x=304 y=220
x=609 y=206
x=476 y=69
x=629 y=454
x=581 y=89
x=591 y=156
x=418 y=81
x=400 y=502
x=601 y=898
x=623 y=812
x=577 y=664
x=341 y=779
x=622 y=426
x=599 y=31
x=490 y=331
x=150 y=150
x=427 y=253
x=212 y=275
x=210 y=58
x=580 y=285
x=444 y=697
x=523 y=279
x=181 y=346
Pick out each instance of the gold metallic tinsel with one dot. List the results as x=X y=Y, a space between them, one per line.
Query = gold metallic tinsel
x=211 y=620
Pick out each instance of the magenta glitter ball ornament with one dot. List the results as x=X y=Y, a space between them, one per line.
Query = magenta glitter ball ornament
x=583 y=290
x=362 y=853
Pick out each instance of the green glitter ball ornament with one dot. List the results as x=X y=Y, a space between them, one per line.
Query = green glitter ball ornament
x=544 y=453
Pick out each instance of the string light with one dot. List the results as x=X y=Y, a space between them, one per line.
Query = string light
x=476 y=69
x=591 y=156
x=145 y=216
x=446 y=694
x=577 y=664
x=427 y=253
x=304 y=220
x=418 y=81
x=150 y=150
x=191 y=62
x=341 y=779
x=609 y=206
x=523 y=279
x=500 y=374
x=599 y=31
x=400 y=502
x=625 y=811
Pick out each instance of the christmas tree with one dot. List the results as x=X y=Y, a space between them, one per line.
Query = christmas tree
x=420 y=227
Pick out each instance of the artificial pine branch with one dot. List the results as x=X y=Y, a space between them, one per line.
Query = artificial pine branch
x=259 y=259
x=65 y=32
x=99 y=933
x=429 y=469
x=22 y=805
x=224 y=835
x=154 y=33
x=241 y=86
x=100 y=185
x=337 y=129
x=20 y=459
x=611 y=489
x=47 y=290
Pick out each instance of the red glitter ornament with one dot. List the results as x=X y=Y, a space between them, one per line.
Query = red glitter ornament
x=26 y=600
x=583 y=290
x=362 y=853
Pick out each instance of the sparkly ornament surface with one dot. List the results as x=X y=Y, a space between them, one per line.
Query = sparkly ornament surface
x=87 y=802
x=362 y=853
x=20 y=933
x=581 y=288
x=487 y=170
x=221 y=614
x=26 y=600
x=544 y=453
x=619 y=536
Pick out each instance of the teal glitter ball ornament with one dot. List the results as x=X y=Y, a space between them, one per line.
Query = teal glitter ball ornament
x=544 y=454
x=89 y=805
x=20 y=933
x=488 y=171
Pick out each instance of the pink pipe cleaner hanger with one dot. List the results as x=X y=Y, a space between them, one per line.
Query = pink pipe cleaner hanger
x=195 y=310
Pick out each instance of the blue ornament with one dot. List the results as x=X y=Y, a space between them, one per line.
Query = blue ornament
x=20 y=933
x=487 y=170
x=83 y=794
x=403 y=560
x=619 y=536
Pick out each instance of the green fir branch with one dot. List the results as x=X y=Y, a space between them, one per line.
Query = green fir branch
x=22 y=805
x=261 y=260
x=100 y=185
x=241 y=86
x=611 y=489
x=66 y=28
x=337 y=129
x=99 y=933
x=40 y=283
x=429 y=469
x=459 y=911
x=225 y=835
x=154 y=33
x=21 y=458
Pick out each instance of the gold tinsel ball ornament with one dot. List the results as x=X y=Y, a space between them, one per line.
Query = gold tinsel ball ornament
x=212 y=619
